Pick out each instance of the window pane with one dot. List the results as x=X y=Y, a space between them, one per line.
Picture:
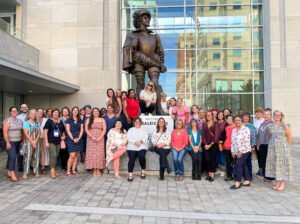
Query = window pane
x=172 y=39
x=174 y=60
x=259 y=100
x=191 y=82
x=221 y=2
x=169 y=18
x=257 y=15
x=258 y=59
x=228 y=38
x=259 y=82
x=223 y=16
x=212 y=82
x=257 y=37
x=190 y=60
x=126 y=19
x=190 y=17
x=172 y=82
x=154 y=3
x=234 y=102
x=225 y=59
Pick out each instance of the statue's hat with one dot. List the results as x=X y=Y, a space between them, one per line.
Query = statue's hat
x=137 y=14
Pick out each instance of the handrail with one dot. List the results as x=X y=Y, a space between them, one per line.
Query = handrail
x=12 y=30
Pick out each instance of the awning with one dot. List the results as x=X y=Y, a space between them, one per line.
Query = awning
x=20 y=80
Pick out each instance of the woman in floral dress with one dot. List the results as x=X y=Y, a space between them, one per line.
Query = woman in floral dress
x=279 y=163
x=116 y=146
x=95 y=128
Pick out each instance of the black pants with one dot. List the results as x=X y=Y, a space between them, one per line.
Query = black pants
x=263 y=150
x=211 y=158
x=132 y=155
x=64 y=156
x=163 y=160
x=229 y=159
x=196 y=163
x=241 y=168
x=145 y=109
x=258 y=157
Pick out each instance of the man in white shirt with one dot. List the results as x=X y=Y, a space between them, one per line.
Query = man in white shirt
x=22 y=116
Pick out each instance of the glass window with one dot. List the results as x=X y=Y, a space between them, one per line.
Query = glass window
x=216 y=41
x=221 y=85
x=211 y=47
x=237 y=36
x=238 y=85
x=221 y=101
x=237 y=5
x=207 y=82
x=216 y=55
x=237 y=66
x=237 y=52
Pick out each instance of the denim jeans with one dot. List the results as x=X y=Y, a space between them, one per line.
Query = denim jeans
x=221 y=159
x=178 y=161
x=12 y=155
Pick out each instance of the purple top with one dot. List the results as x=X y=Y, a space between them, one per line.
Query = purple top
x=222 y=131
x=211 y=134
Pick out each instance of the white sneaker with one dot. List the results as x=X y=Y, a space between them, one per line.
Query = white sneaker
x=222 y=174
x=218 y=172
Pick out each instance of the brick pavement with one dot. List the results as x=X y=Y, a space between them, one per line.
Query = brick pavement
x=88 y=199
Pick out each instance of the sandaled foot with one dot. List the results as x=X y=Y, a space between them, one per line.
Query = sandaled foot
x=75 y=173
x=57 y=174
x=37 y=175
x=118 y=177
x=25 y=176
x=281 y=188
x=69 y=174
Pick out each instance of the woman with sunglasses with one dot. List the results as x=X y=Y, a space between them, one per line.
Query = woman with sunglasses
x=148 y=99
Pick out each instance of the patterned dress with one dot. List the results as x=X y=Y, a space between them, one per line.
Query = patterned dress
x=114 y=137
x=279 y=163
x=95 y=154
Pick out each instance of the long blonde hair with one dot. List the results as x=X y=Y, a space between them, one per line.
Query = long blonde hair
x=153 y=87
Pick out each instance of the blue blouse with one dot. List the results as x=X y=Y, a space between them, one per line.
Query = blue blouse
x=195 y=141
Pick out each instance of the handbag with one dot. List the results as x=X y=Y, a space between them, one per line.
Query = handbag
x=220 y=147
x=62 y=142
x=151 y=146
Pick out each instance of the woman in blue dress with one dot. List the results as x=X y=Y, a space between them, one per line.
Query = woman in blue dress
x=74 y=128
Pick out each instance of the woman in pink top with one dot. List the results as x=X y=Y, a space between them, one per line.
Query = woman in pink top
x=181 y=112
x=179 y=144
x=227 y=146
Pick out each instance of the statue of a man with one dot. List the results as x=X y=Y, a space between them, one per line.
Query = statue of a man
x=143 y=52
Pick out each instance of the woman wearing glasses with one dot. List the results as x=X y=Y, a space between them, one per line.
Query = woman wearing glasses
x=148 y=99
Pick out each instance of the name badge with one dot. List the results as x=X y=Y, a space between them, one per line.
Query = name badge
x=55 y=133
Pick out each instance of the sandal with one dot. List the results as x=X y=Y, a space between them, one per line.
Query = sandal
x=130 y=178
x=43 y=171
x=69 y=174
x=143 y=175
x=75 y=173
x=36 y=175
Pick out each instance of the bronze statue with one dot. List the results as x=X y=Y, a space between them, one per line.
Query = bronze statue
x=143 y=52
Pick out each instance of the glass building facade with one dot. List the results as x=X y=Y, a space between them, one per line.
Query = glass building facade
x=213 y=50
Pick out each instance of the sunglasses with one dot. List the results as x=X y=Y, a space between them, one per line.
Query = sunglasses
x=150 y=85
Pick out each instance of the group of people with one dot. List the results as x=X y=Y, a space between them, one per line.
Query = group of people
x=217 y=141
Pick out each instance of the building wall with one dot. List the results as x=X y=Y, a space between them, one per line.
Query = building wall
x=78 y=43
x=282 y=47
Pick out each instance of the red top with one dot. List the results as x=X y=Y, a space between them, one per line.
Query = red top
x=133 y=107
x=227 y=143
x=178 y=140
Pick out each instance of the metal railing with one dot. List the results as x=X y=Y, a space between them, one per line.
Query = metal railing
x=12 y=30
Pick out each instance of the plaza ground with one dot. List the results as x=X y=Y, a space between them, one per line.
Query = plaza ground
x=88 y=199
